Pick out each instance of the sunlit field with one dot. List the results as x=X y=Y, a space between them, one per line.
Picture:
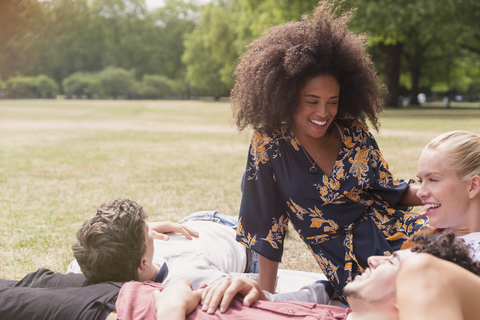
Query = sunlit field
x=60 y=159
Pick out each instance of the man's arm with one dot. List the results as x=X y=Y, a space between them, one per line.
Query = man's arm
x=431 y=288
x=160 y=228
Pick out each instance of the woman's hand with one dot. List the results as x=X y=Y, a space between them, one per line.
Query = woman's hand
x=222 y=291
x=159 y=229
x=176 y=301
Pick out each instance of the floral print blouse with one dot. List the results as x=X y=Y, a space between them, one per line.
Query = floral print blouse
x=343 y=218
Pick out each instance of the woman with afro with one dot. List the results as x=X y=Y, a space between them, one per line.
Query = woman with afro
x=306 y=89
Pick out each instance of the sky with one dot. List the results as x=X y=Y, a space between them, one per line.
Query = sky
x=153 y=4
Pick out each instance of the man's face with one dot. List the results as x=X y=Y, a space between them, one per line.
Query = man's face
x=378 y=283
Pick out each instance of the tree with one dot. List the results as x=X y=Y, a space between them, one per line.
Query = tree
x=225 y=28
x=22 y=30
x=469 y=37
x=203 y=71
x=68 y=46
x=116 y=82
x=157 y=86
x=210 y=50
x=121 y=25
x=81 y=84
x=40 y=86
x=21 y=87
x=170 y=24
x=46 y=87
x=412 y=32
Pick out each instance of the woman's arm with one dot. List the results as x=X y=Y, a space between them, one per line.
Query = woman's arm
x=221 y=293
x=410 y=198
x=268 y=273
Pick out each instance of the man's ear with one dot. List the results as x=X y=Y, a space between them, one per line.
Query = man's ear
x=474 y=187
x=143 y=264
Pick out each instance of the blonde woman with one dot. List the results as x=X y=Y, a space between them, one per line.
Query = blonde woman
x=449 y=173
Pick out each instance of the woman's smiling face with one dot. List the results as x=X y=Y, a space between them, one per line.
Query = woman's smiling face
x=317 y=106
x=443 y=194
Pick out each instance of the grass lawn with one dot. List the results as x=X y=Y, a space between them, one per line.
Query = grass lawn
x=60 y=159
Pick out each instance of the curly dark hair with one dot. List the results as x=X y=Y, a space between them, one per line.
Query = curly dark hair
x=444 y=245
x=271 y=73
x=110 y=245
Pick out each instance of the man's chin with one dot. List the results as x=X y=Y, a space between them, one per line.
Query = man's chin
x=349 y=291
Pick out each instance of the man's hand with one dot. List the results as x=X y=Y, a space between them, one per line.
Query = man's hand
x=159 y=229
x=222 y=291
x=176 y=301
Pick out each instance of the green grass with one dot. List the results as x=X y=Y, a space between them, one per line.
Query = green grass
x=60 y=159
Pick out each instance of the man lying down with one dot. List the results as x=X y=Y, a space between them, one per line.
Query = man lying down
x=115 y=246
x=118 y=245
x=411 y=284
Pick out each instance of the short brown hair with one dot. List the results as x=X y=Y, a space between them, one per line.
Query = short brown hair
x=110 y=245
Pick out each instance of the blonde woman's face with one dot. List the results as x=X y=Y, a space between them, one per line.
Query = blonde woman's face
x=444 y=195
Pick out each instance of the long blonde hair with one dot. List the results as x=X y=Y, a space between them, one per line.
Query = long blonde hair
x=461 y=149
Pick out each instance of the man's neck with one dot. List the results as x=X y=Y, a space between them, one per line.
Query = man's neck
x=373 y=315
x=363 y=311
x=157 y=270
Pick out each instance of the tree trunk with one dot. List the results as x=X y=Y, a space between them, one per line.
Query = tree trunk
x=415 y=70
x=392 y=72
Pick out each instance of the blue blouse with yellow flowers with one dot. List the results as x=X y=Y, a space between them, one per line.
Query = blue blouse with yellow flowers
x=344 y=218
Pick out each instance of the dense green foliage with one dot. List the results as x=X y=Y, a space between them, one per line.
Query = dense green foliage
x=422 y=45
x=71 y=40
x=40 y=86
x=114 y=82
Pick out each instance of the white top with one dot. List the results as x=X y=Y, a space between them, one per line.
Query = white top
x=215 y=254
x=473 y=240
x=202 y=260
